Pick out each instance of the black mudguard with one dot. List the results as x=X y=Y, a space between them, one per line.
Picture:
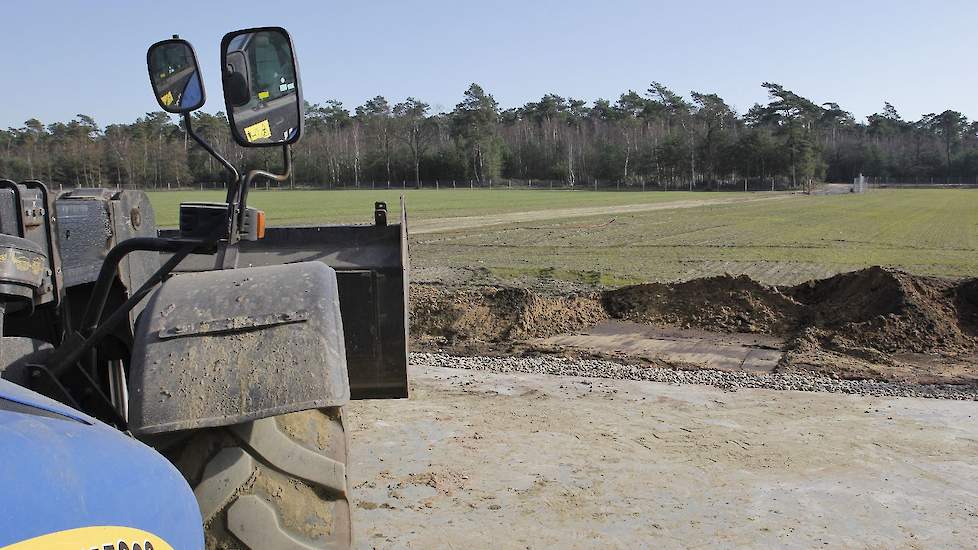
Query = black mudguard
x=223 y=347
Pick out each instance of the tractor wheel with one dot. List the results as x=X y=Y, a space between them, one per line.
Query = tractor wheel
x=274 y=483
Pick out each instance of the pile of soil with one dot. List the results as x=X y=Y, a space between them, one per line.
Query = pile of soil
x=498 y=314
x=966 y=301
x=721 y=304
x=873 y=323
x=890 y=311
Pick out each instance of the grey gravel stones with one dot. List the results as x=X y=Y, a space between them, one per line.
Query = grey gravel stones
x=730 y=381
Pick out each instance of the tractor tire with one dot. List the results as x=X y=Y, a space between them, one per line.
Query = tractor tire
x=271 y=484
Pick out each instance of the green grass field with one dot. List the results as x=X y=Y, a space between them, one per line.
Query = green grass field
x=778 y=241
x=305 y=207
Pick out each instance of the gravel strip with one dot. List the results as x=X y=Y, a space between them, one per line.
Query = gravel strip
x=730 y=381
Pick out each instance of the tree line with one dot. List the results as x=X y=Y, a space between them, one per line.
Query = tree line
x=656 y=138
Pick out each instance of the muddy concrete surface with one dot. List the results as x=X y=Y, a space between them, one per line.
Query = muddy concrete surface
x=481 y=460
x=876 y=324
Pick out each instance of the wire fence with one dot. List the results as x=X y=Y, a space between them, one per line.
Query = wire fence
x=741 y=185
x=922 y=182
x=729 y=185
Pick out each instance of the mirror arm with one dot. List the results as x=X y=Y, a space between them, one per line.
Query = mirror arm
x=286 y=160
x=239 y=200
x=233 y=176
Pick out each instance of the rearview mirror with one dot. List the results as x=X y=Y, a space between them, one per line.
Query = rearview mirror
x=174 y=75
x=261 y=87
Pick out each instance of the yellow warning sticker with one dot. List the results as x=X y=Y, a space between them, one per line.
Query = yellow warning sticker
x=263 y=95
x=167 y=98
x=258 y=131
x=94 y=537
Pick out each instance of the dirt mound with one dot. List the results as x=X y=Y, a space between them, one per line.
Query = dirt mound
x=865 y=314
x=496 y=314
x=966 y=301
x=874 y=323
x=887 y=310
x=723 y=304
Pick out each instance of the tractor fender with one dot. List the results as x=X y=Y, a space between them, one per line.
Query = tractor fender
x=223 y=347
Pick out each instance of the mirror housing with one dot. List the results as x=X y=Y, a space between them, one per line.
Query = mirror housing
x=175 y=76
x=262 y=93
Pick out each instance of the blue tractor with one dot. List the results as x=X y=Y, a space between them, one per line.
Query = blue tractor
x=183 y=388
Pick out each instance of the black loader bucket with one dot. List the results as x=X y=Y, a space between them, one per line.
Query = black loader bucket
x=371 y=264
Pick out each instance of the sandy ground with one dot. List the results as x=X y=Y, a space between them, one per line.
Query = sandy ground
x=439 y=225
x=479 y=460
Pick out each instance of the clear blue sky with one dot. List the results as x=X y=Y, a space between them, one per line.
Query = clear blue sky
x=64 y=57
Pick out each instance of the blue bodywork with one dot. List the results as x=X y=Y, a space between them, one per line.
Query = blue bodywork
x=192 y=92
x=62 y=470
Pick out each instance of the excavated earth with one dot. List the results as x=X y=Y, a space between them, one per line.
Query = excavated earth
x=872 y=324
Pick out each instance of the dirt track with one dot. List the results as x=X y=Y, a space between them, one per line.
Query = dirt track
x=478 y=460
x=440 y=225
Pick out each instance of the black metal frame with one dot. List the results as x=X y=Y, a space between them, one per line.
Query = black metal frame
x=49 y=230
x=10 y=184
x=94 y=329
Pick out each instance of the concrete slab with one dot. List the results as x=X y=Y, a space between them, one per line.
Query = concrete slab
x=702 y=349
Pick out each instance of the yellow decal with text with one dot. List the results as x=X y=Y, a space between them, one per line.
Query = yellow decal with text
x=24 y=263
x=258 y=131
x=100 y=538
x=167 y=98
x=263 y=95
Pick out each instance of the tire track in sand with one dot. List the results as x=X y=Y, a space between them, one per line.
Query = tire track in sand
x=442 y=225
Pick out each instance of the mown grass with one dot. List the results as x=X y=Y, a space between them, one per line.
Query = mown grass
x=307 y=207
x=786 y=241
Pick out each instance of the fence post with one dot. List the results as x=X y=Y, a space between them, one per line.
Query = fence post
x=595 y=184
x=490 y=185
x=436 y=185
